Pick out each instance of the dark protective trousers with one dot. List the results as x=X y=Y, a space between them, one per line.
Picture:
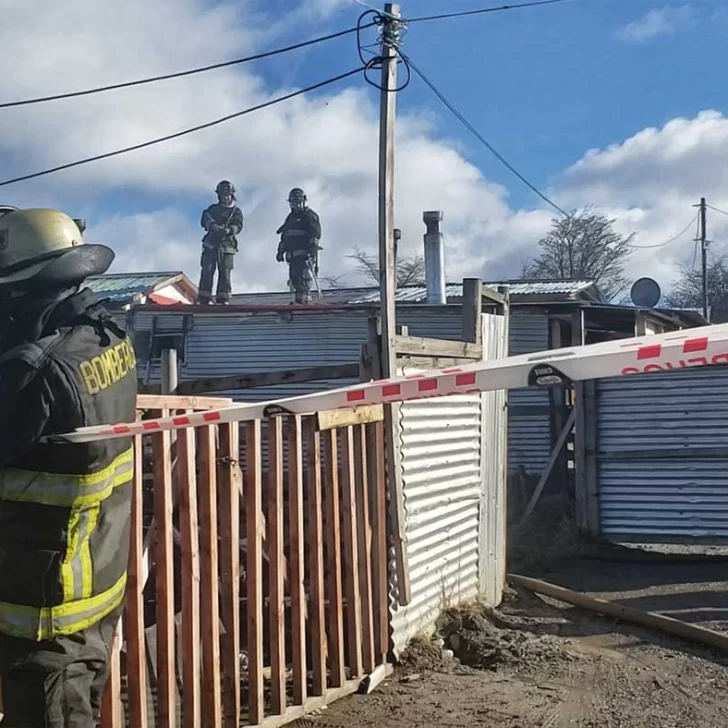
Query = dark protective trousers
x=58 y=683
x=300 y=276
x=213 y=259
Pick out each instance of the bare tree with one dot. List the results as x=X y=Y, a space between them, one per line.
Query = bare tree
x=687 y=290
x=410 y=271
x=333 y=281
x=583 y=246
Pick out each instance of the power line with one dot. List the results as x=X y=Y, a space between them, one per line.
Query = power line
x=671 y=240
x=478 y=135
x=184 y=132
x=482 y=11
x=715 y=209
x=190 y=72
x=695 y=248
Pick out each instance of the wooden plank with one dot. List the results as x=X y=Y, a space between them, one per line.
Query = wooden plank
x=333 y=560
x=380 y=558
x=350 y=526
x=267 y=379
x=431 y=362
x=313 y=704
x=164 y=580
x=254 y=574
x=296 y=537
x=317 y=626
x=189 y=531
x=136 y=663
x=566 y=430
x=364 y=535
x=229 y=512
x=472 y=310
x=417 y=346
x=276 y=566
x=209 y=584
x=174 y=402
x=111 y=698
x=332 y=419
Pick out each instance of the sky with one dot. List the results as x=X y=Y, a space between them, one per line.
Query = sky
x=617 y=104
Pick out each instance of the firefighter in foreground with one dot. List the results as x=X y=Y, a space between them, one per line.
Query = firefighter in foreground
x=223 y=222
x=64 y=508
x=299 y=245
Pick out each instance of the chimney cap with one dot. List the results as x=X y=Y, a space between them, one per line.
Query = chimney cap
x=432 y=216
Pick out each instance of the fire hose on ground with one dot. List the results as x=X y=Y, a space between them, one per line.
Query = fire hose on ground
x=676 y=627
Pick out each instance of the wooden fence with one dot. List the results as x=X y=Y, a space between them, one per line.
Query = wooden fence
x=268 y=591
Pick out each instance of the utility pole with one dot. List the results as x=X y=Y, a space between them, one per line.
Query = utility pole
x=387 y=271
x=388 y=289
x=704 y=255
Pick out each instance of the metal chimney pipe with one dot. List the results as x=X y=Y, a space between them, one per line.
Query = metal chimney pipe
x=434 y=258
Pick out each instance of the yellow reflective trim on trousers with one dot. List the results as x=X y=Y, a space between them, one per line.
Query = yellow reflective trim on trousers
x=71 y=491
x=44 y=624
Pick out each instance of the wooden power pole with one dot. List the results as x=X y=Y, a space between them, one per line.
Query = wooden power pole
x=704 y=255
x=387 y=267
x=388 y=288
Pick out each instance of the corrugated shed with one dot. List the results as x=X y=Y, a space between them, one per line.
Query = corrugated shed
x=453 y=505
x=228 y=343
x=663 y=455
x=529 y=411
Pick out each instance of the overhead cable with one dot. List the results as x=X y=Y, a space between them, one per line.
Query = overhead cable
x=482 y=11
x=408 y=60
x=184 y=132
x=716 y=209
x=671 y=240
x=189 y=72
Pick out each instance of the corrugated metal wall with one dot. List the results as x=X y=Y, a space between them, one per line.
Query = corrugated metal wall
x=225 y=344
x=529 y=411
x=662 y=455
x=454 y=502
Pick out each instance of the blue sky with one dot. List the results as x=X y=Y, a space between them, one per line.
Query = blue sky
x=635 y=81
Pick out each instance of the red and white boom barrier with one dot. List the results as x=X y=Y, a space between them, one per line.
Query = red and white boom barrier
x=703 y=346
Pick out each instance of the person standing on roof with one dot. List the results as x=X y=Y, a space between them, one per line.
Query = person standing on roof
x=65 y=509
x=223 y=222
x=299 y=245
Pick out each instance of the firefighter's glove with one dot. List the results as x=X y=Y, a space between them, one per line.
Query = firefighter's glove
x=279 y=256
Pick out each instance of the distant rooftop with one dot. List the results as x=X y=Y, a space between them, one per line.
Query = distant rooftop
x=123 y=288
x=548 y=290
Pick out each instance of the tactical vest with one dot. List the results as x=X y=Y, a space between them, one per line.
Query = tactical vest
x=65 y=508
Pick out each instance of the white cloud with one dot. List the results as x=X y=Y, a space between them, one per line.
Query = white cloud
x=325 y=143
x=655 y=22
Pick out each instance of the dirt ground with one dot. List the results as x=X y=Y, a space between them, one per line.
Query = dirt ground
x=539 y=663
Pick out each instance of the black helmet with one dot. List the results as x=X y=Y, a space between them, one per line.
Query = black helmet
x=225 y=188
x=297 y=199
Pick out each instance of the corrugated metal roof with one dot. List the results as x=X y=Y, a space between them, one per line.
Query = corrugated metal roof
x=417 y=294
x=124 y=286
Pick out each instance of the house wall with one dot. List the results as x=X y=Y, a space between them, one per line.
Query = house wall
x=658 y=470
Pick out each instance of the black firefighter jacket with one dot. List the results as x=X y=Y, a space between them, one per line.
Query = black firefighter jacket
x=64 y=508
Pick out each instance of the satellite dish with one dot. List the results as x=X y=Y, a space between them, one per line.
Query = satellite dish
x=645 y=293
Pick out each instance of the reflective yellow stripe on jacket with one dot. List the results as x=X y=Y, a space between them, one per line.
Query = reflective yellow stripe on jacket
x=70 y=491
x=83 y=495
x=65 y=619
